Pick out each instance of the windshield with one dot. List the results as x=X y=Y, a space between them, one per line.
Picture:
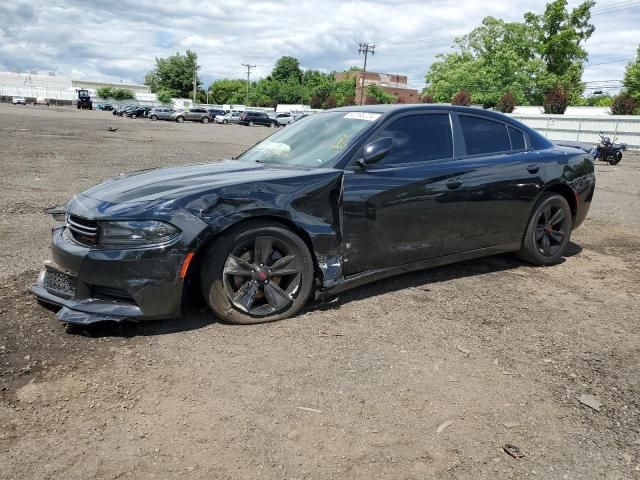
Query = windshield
x=314 y=141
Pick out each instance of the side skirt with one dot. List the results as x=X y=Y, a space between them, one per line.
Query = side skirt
x=359 y=279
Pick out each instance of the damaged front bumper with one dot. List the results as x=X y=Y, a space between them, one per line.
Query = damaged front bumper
x=93 y=285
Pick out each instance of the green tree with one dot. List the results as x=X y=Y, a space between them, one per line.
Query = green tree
x=560 y=35
x=287 y=68
x=164 y=96
x=228 y=91
x=105 y=92
x=631 y=80
x=174 y=74
x=526 y=58
x=345 y=92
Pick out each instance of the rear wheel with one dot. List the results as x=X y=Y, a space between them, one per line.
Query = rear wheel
x=548 y=232
x=273 y=124
x=260 y=272
x=179 y=119
x=133 y=115
x=205 y=120
x=615 y=158
x=250 y=123
x=225 y=121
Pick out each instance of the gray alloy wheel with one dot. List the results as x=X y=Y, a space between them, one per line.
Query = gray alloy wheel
x=259 y=272
x=225 y=121
x=133 y=115
x=154 y=118
x=251 y=123
x=205 y=120
x=548 y=231
x=179 y=119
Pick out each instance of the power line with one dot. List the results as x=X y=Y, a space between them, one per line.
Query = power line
x=249 y=67
x=365 y=49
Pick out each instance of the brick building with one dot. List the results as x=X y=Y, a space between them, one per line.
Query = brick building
x=395 y=85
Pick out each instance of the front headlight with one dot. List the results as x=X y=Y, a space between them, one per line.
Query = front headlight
x=136 y=233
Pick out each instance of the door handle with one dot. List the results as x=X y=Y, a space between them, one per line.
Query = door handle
x=533 y=168
x=454 y=183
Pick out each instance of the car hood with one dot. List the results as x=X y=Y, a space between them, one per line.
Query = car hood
x=188 y=180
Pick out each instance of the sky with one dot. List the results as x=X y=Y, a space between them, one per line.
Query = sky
x=118 y=40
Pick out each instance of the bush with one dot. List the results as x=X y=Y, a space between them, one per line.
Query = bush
x=427 y=98
x=123 y=94
x=315 y=101
x=556 y=100
x=104 y=92
x=330 y=102
x=624 y=104
x=376 y=94
x=507 y=103
x=461 y=98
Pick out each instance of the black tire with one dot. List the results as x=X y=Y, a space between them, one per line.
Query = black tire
x=154 y=118
x=250 y=123
x=548 y=232
x=133 y=115
x=78 y=107
x=254 y=294
x=225 y=122
x=179 y=119
x=205 y=120
x=273 y=124
x=615 y=158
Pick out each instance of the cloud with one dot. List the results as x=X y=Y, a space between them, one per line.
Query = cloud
x=120 y=39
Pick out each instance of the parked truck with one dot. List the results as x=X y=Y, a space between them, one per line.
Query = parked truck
x=84 y=99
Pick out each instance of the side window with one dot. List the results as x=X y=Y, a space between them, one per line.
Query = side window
x=418 y=138
x=517 y=139
x=484 y=136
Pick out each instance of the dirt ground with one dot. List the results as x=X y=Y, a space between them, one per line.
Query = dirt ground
x=423 y=376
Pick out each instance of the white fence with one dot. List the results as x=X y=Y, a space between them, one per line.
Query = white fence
x=578 y=128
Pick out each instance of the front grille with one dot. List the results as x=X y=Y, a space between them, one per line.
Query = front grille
x=82 y=230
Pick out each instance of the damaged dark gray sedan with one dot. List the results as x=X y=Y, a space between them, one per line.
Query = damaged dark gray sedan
x=333 y=201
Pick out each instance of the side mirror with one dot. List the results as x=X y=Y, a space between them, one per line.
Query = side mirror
x=376 y=150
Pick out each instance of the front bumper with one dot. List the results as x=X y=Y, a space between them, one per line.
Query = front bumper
x=136 y=284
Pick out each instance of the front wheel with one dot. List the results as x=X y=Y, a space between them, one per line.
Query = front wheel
x=273 y=125
x=154 y=118
x=133 y=115
x=180 y=119
x=225 y=122
x=548 y=232
x=261 y=272
x=615 y=158
x=250 y=124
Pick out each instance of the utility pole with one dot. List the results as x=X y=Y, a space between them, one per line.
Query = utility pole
x=366 y=49
x=249 y=67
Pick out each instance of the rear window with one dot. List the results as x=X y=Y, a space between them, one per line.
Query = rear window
x=482 y=136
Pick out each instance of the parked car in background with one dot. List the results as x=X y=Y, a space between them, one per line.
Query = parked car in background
x=231 y=117
x=282 y=118
x=137 y=112
x=119 y=110
x=214 y=112
x=18 y=100
x=160 y=113
x=105 y=106
x=314 y=210
x=193 y=115
x=125 y=109
x=258 y=118
x=41 y=101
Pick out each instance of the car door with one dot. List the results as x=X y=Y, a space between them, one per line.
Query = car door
x=404 y=208
x=504 y=177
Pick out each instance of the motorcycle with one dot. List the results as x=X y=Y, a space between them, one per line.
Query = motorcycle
x=608 y=151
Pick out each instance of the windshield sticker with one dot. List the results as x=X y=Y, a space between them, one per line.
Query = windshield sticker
x=278 y=150
x=368 y=116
